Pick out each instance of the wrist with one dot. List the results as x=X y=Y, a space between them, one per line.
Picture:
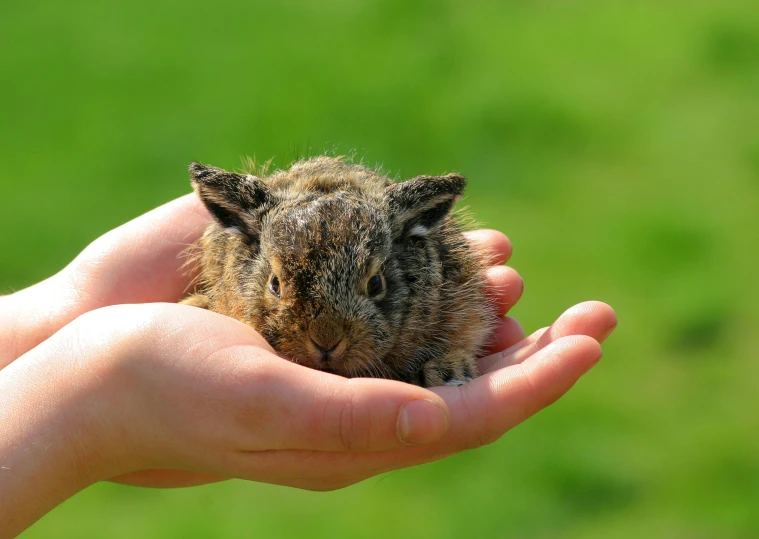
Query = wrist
x=53 y=440
x=9 y=329
x=25 y=323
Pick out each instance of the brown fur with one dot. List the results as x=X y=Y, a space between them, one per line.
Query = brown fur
x=324 y=228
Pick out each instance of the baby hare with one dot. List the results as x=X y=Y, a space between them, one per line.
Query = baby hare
x=344 y=270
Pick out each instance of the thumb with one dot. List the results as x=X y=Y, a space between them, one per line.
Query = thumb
x=224 y=372
x=319 y=411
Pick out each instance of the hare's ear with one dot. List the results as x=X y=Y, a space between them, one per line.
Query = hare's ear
x=234 y=200
x=419 y=204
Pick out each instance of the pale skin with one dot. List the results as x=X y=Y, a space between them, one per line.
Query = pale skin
x=103 y=376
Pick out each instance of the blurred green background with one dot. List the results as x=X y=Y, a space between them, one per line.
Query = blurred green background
x=616 y=143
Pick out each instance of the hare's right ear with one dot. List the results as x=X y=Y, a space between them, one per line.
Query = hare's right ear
x=234 y=200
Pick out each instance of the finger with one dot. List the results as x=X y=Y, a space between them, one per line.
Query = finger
x=504 y=287
x=507 y=333
x=481 y=412
x=142 y=261
x=494 y=244
x=500 y=400
x=593 y=318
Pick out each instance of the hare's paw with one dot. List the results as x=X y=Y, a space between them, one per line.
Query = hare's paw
x=197 y=300
x=458 y=382
x=454 y=369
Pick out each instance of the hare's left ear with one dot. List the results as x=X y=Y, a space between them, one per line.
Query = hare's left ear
x=234 y=200
x=420 y=204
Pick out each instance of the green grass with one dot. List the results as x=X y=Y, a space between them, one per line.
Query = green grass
x=617 y=143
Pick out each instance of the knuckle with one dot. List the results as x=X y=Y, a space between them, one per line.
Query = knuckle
x=346 y=426
x=343 y=428
x=352 y=426
x=484 y=427
x=483 y=435
x=487 y=436
x=533 y=396
x=330 y=485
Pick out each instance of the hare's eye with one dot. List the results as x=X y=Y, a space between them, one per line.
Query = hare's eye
x=375 y=286
x=274 y=285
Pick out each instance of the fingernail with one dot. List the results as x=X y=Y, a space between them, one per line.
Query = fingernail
x=607 y=333
x=421 y=422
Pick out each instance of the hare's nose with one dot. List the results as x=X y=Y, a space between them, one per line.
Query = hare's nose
x=324 y=351
x=326 y=333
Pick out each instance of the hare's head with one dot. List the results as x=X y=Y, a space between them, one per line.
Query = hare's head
x=326 y=274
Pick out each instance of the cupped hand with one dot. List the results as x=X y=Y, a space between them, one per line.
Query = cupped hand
x=201 y=397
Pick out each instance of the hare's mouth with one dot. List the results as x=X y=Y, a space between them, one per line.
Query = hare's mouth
x=331 y=367
x=327 y=354
x=346 y=364
x=350 y=360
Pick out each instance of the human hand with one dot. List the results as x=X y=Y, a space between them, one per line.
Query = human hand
x=140 y=262
x=515 y=384
x=108 y=358
x=131 y=388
